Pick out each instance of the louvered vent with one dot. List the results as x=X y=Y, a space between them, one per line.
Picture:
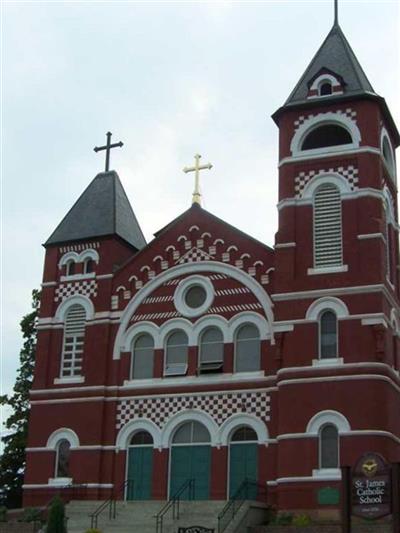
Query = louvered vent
x=74 y=336
x=327 y=227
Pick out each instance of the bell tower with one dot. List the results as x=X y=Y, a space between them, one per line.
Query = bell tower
x=337 y=177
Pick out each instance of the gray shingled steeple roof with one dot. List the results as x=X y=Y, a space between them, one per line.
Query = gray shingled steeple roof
x=336 y=55
x=102 y=209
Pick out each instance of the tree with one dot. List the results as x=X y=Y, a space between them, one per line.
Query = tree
x=12 y=461
x=56 y=520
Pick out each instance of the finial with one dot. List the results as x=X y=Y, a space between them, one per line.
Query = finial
x=196 y=198
x=336 y=19
x=107 y=148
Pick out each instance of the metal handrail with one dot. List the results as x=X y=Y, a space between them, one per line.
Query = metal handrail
x=234 y=504
x=174 y=502
x=111 y=503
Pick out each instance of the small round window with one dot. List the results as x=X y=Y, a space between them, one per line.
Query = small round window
x=194 y=295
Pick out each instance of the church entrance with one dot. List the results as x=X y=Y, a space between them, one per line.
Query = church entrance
x=243 y=454
x=191 y=459
x=140 y=467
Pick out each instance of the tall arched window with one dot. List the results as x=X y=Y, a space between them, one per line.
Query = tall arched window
x=74 y=337
x=176 y=354
x=327 y=226
x=328 y=446
x=143 y=357
x=388 y=156
x=88 y=266
x=247 y=349
x=62 y=458
x=211 y=356
x=328 y=335
x=70 y=268
x=326 y=135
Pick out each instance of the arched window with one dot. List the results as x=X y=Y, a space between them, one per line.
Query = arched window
x=328 y=337
x=247 y=349
x=62 y=458
x=176 y=354
x=327 y=226
x=325 y=136
x=211 y=357
x=74 y=336
x=328 y=446
x=143 y=357
x=141 y=438
x=325 y=88
x=191 y=433
x=244 y=434
x=88 y=266
x=70 y=268
x=387 y=155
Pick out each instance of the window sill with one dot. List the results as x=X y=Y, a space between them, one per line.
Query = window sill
x=332 y=361
x=327 y=473
x=327 y=270
x=75 y=277
x=69 y=381
x=194 y=380
x=60 y=481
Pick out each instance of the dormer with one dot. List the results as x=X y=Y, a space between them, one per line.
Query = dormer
x=325 y=83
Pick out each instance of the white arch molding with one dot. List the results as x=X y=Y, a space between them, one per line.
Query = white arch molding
x=134 y=426
x=333 y=178
x=323 y=119
x=239 y=420
x=203 y=266
x=62 y=433
x=328 y=417
x=189 y=415
x=77 y=299
x=325 y=304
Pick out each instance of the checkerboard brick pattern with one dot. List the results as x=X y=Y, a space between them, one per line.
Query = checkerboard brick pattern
x=348 y=112
x=194 y=255
x=218 y=405
x=64 y=290
x=350 y=173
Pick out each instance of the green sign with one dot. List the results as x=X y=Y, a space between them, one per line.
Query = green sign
x=328 y=496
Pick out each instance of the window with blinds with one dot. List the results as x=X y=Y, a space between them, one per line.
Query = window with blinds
x=327 y=226
x=74 y=336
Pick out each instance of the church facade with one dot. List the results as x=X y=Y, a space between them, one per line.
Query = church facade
x=208 y=355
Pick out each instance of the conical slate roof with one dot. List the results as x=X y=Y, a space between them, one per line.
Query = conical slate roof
x=336 y=55
x=102 y=209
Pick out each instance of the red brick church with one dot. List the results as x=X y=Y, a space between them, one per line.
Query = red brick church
x=208 y=355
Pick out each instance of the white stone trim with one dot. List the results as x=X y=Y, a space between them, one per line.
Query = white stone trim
x=180 y=292
x=178 y=270
x=78 y=277
x=211 y=321
x=328 y=417
x=249 y=317
x=305 y=156
x=328 y=303
x=69 y=380
x=68 y=257
x=142 y=424
x=327 y=270
x=78 y=299
x=62 y=433
x=60 y=481
x=49 y=486
x=284 y=245
x=322 y=119
x=138 y=329
x=365 y=236
x=333 y=178
x=239 y=420
x=326 y=473
x=328 y=362
x=325 y=78
x=177 y=323
x=190 y=415
x=302 y=479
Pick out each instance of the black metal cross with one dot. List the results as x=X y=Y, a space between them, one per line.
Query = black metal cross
x=107 y=148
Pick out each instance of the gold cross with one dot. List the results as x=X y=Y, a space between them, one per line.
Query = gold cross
x=196 y=198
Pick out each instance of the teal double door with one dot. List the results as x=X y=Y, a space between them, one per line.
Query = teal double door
x=140 y=473
x=190 y=462
x=242 y=466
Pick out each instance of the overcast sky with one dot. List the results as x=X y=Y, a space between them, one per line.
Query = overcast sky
x=169 y=79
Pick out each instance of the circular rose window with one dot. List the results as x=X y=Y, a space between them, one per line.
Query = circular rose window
x=194 y=295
